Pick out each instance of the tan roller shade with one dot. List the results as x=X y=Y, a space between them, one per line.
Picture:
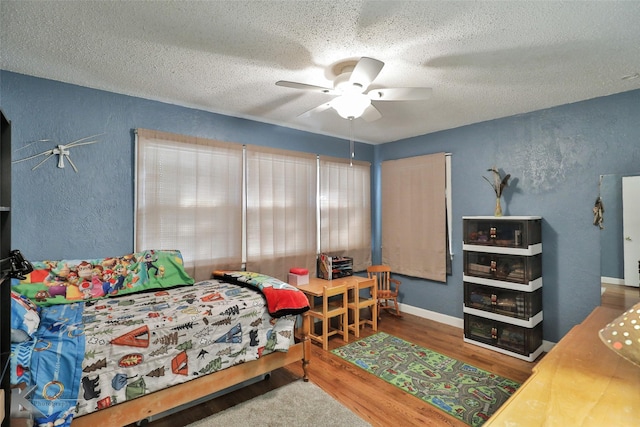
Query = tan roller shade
x=414 y=216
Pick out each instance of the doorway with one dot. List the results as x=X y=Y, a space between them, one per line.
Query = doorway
x=613 y=240
x=631 y=229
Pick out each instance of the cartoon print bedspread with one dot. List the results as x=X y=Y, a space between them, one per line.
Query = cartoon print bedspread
x=139 y=343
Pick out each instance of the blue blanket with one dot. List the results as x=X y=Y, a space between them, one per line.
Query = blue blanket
x=61 y=337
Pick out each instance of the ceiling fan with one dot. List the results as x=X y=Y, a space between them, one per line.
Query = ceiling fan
x=352 y=79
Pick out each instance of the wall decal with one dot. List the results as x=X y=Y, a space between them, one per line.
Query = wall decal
x=60 y=150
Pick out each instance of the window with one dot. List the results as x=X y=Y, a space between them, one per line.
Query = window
x=261 y=210
x=189 y=197
x=281 y=210
x=414 y=228
x=345 y=210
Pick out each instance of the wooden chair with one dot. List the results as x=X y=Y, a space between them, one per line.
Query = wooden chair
x=329 y=310
x=357 y=302
x=388 y=288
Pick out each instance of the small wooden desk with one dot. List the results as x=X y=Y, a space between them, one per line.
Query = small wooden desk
x=579 y=382
x=315 y=285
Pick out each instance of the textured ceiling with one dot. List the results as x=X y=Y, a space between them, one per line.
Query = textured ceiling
x=483 y=59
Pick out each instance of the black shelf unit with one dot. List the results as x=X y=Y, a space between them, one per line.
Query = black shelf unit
x=5 y=249
x=502 y=282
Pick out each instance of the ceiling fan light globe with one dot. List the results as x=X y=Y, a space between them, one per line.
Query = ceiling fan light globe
x=351 y=105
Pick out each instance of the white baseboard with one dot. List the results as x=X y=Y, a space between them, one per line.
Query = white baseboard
x=452 y=321
x=612 y=280
x=432 y=315
x=547 y=345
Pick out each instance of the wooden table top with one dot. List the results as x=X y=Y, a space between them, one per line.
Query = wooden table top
x=316 y=285
x=580 y=382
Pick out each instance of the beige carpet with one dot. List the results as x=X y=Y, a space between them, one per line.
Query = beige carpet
x=297 y=404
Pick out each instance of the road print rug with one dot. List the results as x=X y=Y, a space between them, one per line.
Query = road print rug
x=468 y=393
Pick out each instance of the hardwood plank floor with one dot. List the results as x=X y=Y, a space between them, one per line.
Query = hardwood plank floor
x=618 y=296
x=374 y=400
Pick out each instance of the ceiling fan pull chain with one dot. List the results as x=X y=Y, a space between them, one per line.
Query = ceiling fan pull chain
x=351 y=143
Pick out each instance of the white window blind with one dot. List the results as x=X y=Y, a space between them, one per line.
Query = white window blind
x=281 y=210
x=193 y=194
x=189 y=197
x=414 y=216
x=345 y=210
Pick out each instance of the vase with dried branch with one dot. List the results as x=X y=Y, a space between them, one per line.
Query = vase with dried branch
x=498 y=184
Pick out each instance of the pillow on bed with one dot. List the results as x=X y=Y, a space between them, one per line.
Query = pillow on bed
x=25 y=318
x=282 y=298
x=68 y=281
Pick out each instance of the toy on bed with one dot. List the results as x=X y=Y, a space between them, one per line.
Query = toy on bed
x=111 y=330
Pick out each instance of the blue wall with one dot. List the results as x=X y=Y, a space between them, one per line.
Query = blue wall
x=611 y=243
x=57 y=213
x=555 y=157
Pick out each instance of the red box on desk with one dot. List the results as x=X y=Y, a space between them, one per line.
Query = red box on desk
x=298 y=276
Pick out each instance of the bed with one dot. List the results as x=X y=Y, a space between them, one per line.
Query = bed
x=117 y=340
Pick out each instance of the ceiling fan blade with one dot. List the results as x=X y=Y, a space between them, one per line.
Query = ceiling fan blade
x=304 y=86
x=320 y=108
x=400 y=94
x=365 y=71
x=370 y=114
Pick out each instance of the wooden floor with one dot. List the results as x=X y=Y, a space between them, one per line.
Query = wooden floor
x=618 y=296
x=374 y=400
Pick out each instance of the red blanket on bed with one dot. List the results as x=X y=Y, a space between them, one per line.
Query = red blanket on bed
x=282 y=298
